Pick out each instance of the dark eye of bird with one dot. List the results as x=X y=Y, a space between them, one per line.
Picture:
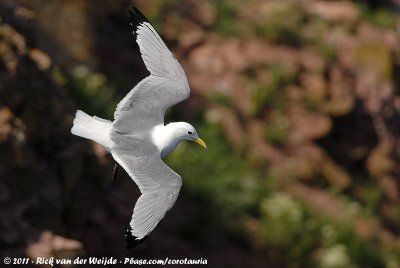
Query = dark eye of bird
x=190 y=132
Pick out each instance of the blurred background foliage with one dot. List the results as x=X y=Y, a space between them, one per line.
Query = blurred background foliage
x=298 y=101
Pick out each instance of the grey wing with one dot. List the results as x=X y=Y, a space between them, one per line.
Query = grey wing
x=166 y=85
x=145 y=106
x=158 y=183
x=156 y=56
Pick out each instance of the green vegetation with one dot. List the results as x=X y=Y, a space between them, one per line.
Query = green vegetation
x=271 y=95
x=381 y=17
x=89 y=90
x=249 y=198
x=282 y=24
x=375 y=56
x=236 y=191
x=247 y=194
x=276 y=130
x=231 y=184
x=226 y=23
x=220 y=98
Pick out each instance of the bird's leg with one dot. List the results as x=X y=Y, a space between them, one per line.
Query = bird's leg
x=115 y=172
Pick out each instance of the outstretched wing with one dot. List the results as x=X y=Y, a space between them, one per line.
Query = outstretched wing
x=145 y=105
x=158 y=183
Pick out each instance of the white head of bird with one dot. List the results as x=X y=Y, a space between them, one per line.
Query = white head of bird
x=167 y=137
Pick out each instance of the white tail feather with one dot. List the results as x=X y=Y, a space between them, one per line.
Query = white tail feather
x=92 y=128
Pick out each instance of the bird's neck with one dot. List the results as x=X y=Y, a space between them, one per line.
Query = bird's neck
x=164 y=137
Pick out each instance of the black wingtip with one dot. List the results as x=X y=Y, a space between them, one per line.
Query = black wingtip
x=136 y=17
x=132 y=241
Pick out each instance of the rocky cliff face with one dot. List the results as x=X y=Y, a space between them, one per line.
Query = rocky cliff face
x=42 y=165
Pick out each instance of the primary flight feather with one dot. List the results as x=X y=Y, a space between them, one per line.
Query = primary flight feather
x=137 y=138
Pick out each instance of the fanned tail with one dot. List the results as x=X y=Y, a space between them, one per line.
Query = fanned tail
x=92 y=128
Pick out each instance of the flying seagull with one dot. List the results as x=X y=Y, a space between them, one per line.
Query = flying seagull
x=137 y=138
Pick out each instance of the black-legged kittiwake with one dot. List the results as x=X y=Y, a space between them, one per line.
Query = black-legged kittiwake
x=137 y=138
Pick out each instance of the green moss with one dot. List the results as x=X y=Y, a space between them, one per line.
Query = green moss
x=310 y=104
x=281 y=221
x=380 y=17
x=283 y=24
x=375 y=56
x=360 y=252
x=271 y=96
x=314 y=35
x=226 y=23
x=90 y=90
x=277 y=128
x=370 y=196
x=220 y=98
x=328 y=51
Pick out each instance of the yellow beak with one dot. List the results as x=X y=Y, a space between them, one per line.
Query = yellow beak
x=200 y=142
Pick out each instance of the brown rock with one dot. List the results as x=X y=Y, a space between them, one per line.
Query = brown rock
x=202 y=12
x=390 y=187
x=315 y=86
x=42 y=60
x=242 y=94
x=5 y=127
x=51 y=245
x=342 y=12
x=305 y=161
x=317 y=200
x=68 y=26
x=24 y=12
x=215 y=66
x=206 y=58
x=368 y=33
x=191 y=38
x=339 y=106
x=391 y=212
x=306 y=126
x=11 y=46
x=231 y=126
x=219 y=56
x=367 y=228
x=380 y=162
x=260 y=150
x=312 y=61
x=389 y=239
x=335 y=175
x=341 y=98
x=373 y=91
x=260 y=52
